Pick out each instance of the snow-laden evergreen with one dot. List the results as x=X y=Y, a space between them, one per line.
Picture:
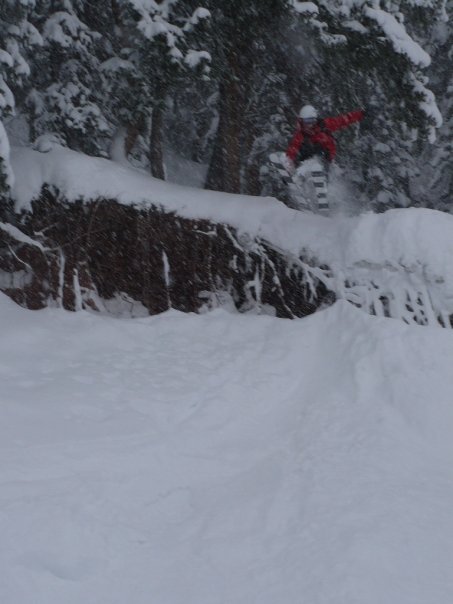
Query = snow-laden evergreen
x=435 y=185
x=64 y=98
x=222 y=84
x=377 y=59
x=17 y=36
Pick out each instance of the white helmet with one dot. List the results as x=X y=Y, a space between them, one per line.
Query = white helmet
x=308 y=112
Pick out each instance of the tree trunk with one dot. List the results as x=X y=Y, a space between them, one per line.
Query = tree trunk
x=252 y=184
x=252 y=178
x=156 y=151
x=224 y=173
x=133 y=130
x=117 y=150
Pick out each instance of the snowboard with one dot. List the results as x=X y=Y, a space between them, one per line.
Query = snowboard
x=307 y=185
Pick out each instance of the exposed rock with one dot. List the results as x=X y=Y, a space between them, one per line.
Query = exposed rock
x=88 y=254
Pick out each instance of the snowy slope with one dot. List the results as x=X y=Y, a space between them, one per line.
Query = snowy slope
x=398 y=263
x=221 y=458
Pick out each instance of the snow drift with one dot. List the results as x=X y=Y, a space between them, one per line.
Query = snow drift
x=223 y=458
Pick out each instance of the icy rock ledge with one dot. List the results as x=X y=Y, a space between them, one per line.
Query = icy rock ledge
x=135 y=261
x=117 y=240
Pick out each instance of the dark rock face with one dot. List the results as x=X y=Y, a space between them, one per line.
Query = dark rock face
x=94 y=251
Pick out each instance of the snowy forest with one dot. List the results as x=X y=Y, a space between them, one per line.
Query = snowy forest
x=220 y=84
x=213 y=391
x=114 y=104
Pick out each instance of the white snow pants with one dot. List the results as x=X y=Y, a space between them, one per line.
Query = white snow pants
x=319 y=180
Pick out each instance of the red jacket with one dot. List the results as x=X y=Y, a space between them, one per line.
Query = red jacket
x=320 y=134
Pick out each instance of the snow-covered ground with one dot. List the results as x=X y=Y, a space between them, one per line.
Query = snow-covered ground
x=184 y=171
x=224 y=459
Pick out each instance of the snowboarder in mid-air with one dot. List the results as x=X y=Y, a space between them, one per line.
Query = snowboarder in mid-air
x=313 y=139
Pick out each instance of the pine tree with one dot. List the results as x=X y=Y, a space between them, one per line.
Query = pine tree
x=224 y=82
x=67 y=95
x=367 y=55
x=17 y=36
x=152 y=48
x=269 y=58
x=244 y=52
x=435 y=186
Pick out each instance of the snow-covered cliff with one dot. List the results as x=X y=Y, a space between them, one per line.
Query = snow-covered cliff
x=109 y=233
